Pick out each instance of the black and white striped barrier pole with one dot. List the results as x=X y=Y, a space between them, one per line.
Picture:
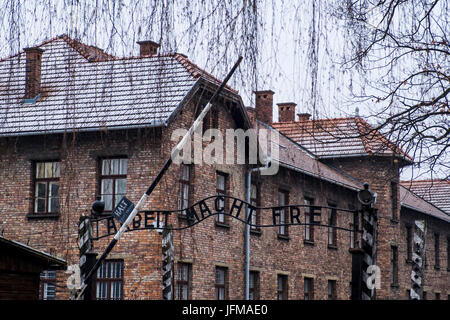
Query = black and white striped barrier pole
x=168 y=260
x=363 y=258
x=87 y=258
x=155 y=182
x=368 y=244
x=418 y=260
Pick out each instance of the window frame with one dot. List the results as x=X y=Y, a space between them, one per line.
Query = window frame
x=409 y=242
x=221 y=286
x=394 y=200
x=255 y=201
x=47 y=181
x=254 y=290
x=448 y=253
x=109 y=281
x=354 y=223
x=332 y=221
x=221 y=218
x=283 y=213
x=437 y=250
x=284 y=292
x=182 y=185
x=309 y=229
x=180 y=283
x=333 y=295
x=113 y=177
x=308 y=295
x=44 y=280
x=394 y=266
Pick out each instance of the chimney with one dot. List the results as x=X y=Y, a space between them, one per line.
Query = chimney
x=148 y=48
x=33 y=72
x=251 y=115
x=264 y=106
x=286 y=112
x=303 y=116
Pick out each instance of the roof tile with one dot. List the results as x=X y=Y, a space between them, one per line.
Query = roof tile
x=86 y=88
x=339 y=137
x=435 y=191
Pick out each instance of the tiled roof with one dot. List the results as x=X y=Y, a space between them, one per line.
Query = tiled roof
x=411 y=200
x=84 y=88
x=295 y=157
x=339 y=137
x=435 y=191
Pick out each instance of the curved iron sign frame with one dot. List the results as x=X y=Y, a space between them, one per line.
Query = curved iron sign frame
x=201 y=210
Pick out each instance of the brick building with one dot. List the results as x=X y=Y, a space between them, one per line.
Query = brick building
x=77 y=123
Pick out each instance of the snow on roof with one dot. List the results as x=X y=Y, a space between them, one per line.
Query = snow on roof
x=84 y=88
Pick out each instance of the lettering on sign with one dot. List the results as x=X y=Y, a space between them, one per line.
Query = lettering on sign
x=123 y=210
x=214 y=205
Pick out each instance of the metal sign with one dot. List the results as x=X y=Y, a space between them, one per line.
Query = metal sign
x=123 y=210
x=167 y=264
x=418 y=260
x=214 y=205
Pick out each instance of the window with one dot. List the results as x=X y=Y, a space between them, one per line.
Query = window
x=353 y=226
x=253 y=285
x=254 y=200
x=283 y=199
x=309 y=229
x=331 y=289
x=424 y=295
x=394 y=266
x=183 y=281
x=282 y=287
x=109 y=282
x=221 y=189
x=409 y=238
x=113 y=181
x=211 y=120
x=46 y=187
x=448 y=254
x=394 y=200
x=437 y=296
x=436 y=251
x=221 y=283
x=185 y=185
x=309 y=288
x=47 y=286
x=332 y=232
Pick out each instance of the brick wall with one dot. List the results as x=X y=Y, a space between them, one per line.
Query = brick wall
x=436 y=280
x=295 y=257
x=380 y=172
x=205 y=245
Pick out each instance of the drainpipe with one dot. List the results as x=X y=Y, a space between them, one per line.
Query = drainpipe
x=247 y=238
x=247 y=231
